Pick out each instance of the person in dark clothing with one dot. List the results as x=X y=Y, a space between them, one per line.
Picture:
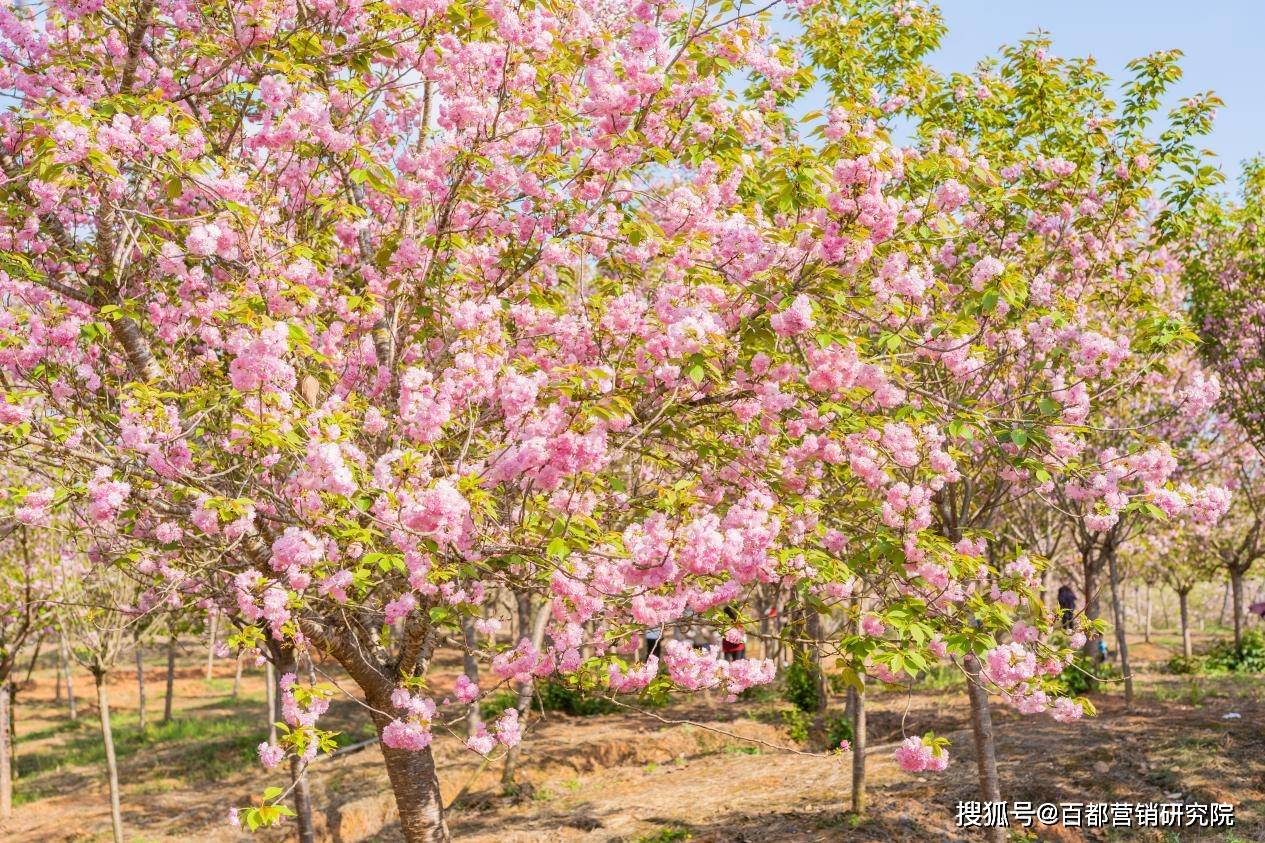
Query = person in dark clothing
x=1067 y=604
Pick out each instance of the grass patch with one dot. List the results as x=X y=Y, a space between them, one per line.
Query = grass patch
x=1199 y=744
x=203 y=744
x=53 y=731
x=669 y=834
x=26 y=792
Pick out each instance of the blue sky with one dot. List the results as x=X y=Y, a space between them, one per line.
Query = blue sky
x=1222 y=40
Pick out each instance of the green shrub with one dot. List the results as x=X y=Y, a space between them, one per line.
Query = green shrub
x=797 y=724
x=803 y=689
x=941 y=676
x=838 y=730
x=760 y=694
x=1185 y=665
x=492 y=705
x=555 y=696
x=1248 y=658
x=1084 y=676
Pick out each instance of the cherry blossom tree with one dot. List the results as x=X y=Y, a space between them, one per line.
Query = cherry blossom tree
x=339 y=317
x=1236 y=542
x=343 y=320
x=1022 y=291
x=1223 y=267
x=1224 y=261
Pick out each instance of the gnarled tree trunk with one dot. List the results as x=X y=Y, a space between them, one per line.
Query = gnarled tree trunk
x=414 y=782
x=415 y=785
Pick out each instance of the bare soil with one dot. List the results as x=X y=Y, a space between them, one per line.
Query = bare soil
x=730 y=774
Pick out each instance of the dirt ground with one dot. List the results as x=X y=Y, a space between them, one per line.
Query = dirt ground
x=729 y=775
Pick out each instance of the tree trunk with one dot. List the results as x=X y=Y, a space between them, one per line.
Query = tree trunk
x=414 y=782
x=777 y=623
x=762 y=625
x=171 y=679
x=287 y=664
x=210 y=647
x=525 y=694
x=1236 y=589
x=985 y=751
x=111 y=763
x=270 y=692
x=61 y=672
x=856 y=699
x=13 y=730
x=1147 y=633
x=1093 y=606
x=474 y=720
x=415 y=786
x=813 y=627
x=1122 y=642
x=1225 y=602
x=1183 y=604
x=35 y=657
x=302 y=801
x=140 y=687
x=522 y=629
x=237 y=676
x=6 y=749
x=70 y=682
